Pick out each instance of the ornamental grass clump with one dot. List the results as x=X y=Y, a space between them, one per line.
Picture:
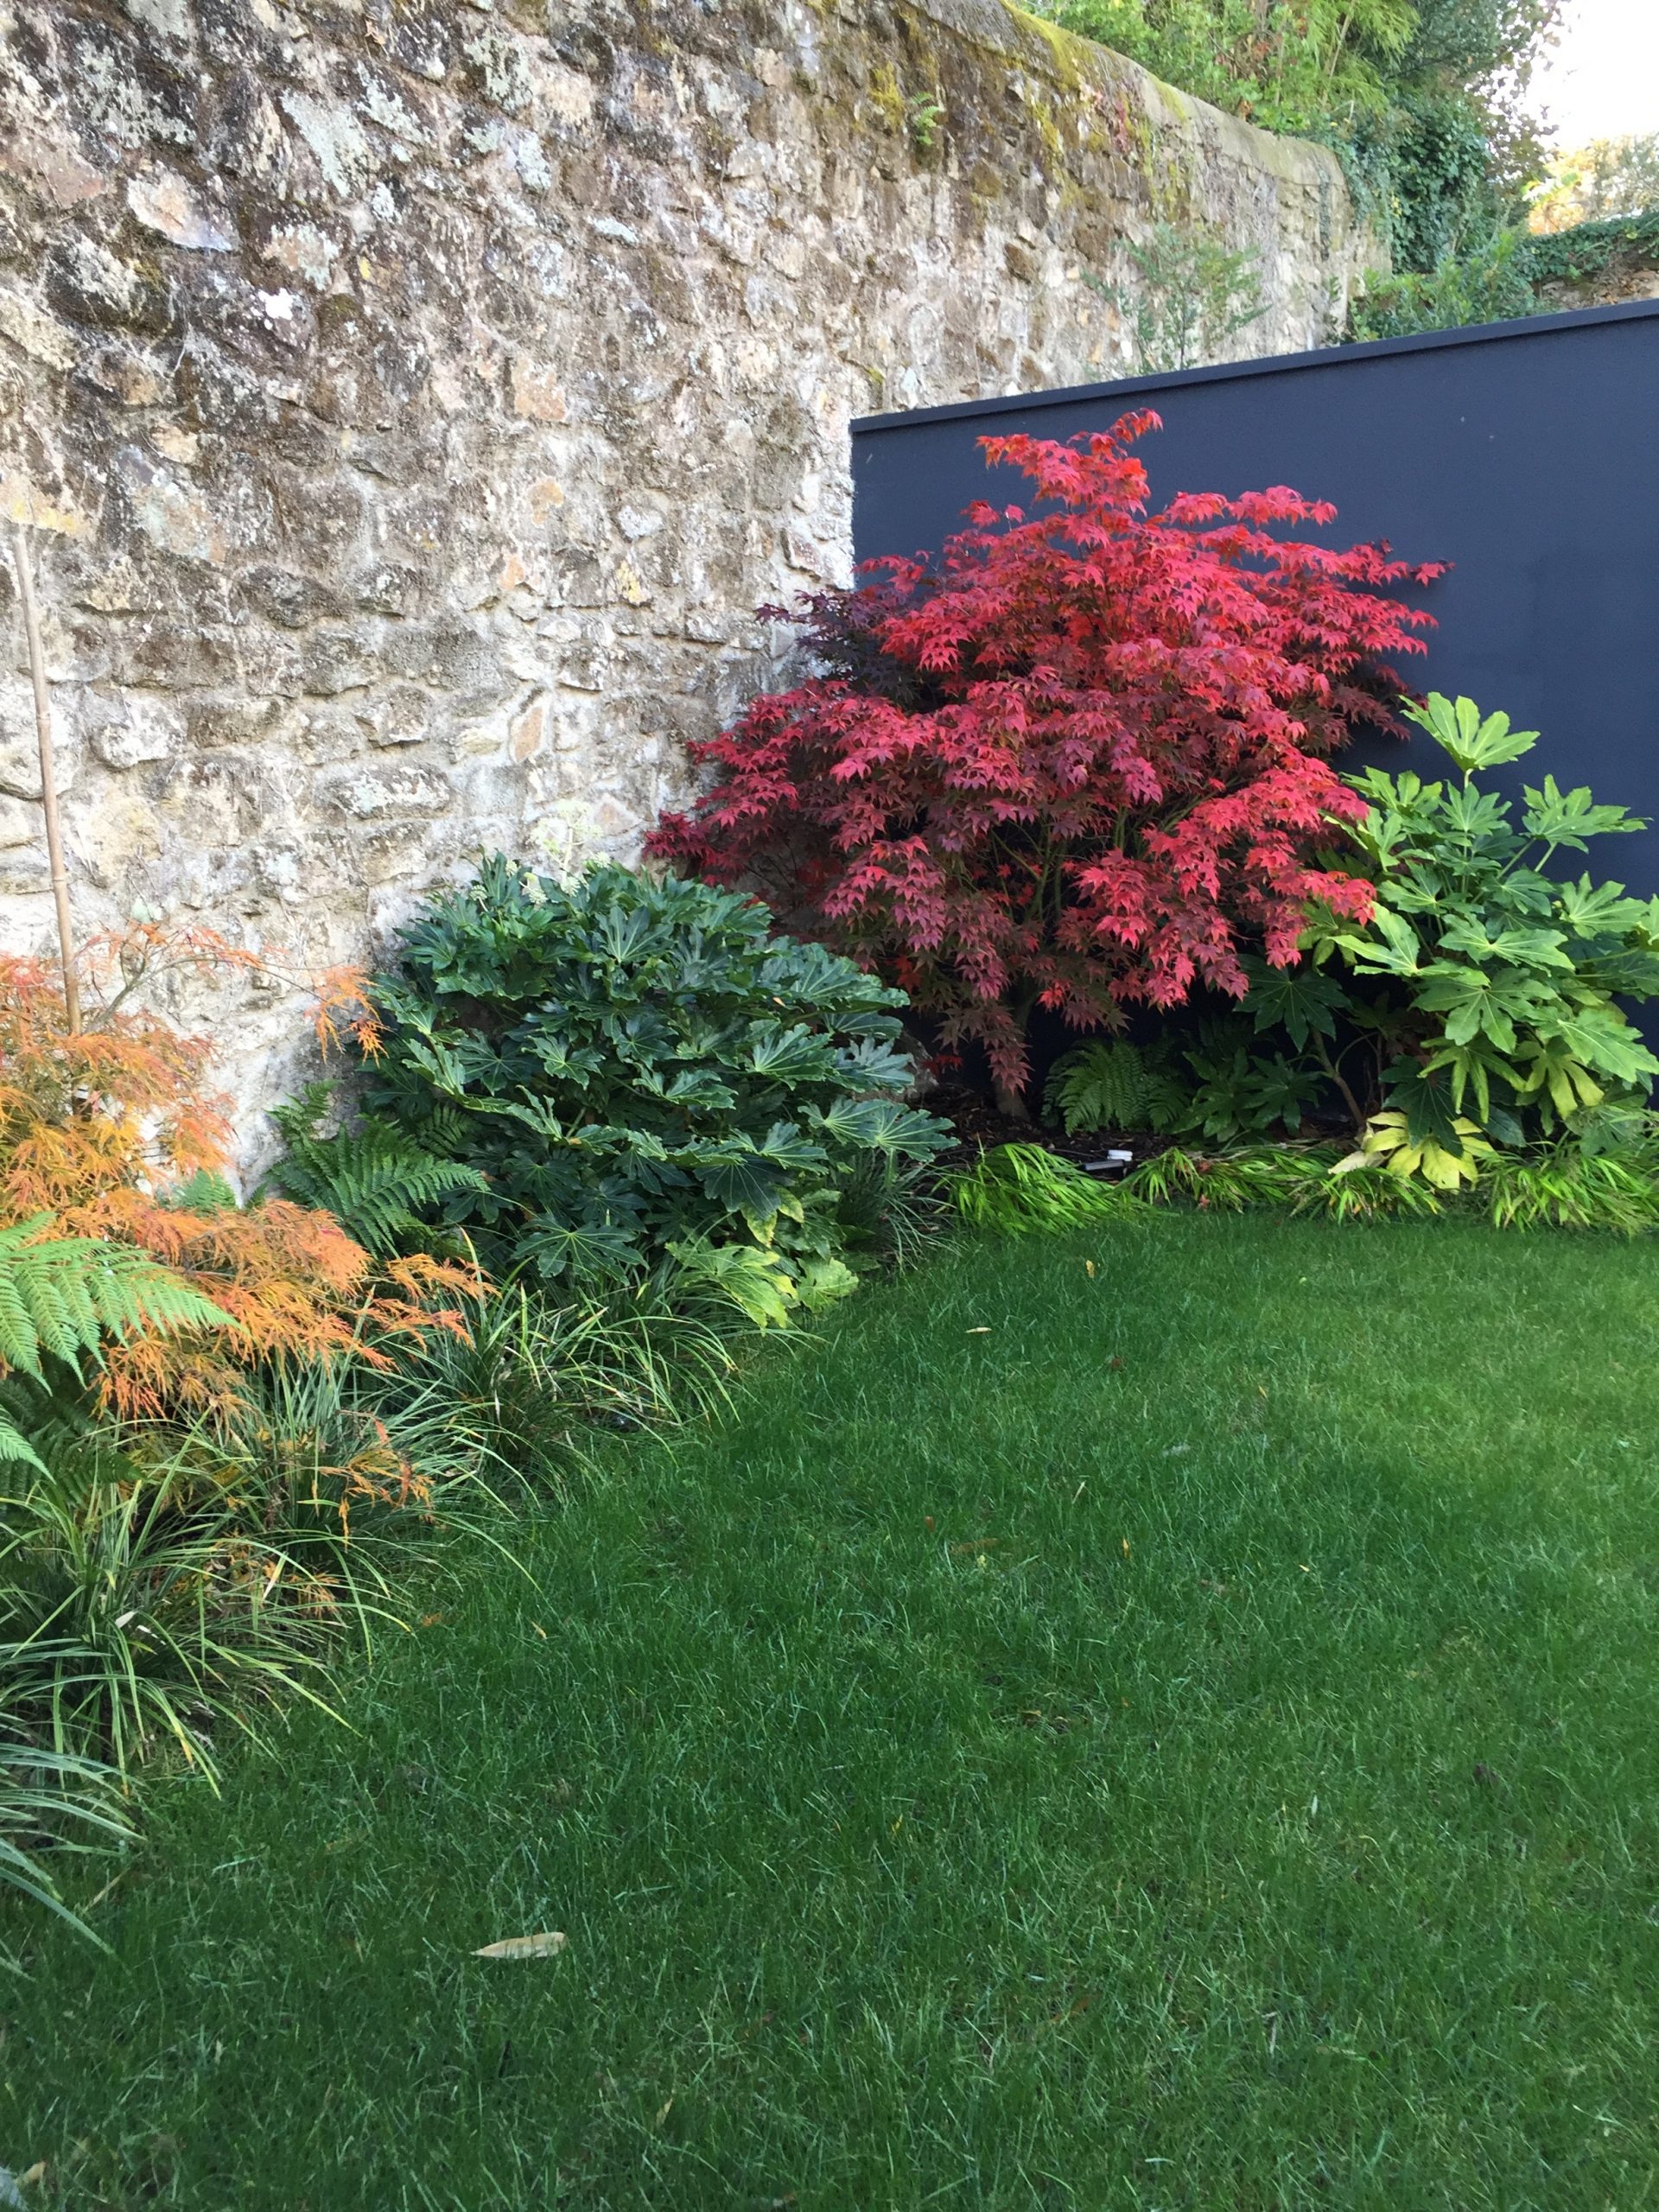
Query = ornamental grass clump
x=215 y=1445
x=1081 y=763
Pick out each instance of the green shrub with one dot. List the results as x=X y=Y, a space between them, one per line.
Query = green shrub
x=1491 y=282
x=628 y=1070
x=1486 y=992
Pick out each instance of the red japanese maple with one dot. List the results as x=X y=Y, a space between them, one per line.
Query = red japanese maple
x=1081 y=763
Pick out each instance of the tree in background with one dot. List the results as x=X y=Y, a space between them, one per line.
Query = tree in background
x=1422 y=100
x=1609 y=178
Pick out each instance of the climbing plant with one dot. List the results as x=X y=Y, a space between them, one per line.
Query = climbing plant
x=1422 y=100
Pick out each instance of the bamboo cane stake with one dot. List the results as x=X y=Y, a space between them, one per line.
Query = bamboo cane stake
x=49 y=776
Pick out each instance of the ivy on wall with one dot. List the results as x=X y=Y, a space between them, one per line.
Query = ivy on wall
x=1424 y=102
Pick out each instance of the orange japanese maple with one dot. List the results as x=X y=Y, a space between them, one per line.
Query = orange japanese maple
x=1079 y=763
x=114 y=1130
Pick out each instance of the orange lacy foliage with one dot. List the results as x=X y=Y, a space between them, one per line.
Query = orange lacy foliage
x=106 y=1128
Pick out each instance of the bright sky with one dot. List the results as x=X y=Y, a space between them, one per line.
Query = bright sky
x=1603 y=79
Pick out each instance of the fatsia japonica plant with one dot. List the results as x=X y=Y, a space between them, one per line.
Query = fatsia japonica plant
x=1080 y=763
x=1485 y=983
x=630 y=1069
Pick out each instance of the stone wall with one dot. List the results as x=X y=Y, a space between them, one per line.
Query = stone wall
x=413 y=399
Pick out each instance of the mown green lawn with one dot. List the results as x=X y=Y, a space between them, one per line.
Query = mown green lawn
x=1175 y=1737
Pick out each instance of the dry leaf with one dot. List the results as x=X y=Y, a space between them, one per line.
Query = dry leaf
x=548 y=1945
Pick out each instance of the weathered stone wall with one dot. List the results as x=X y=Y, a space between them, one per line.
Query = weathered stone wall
x=1630 y=275
x=413 y=399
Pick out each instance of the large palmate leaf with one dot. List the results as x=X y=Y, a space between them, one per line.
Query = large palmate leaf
x=1304 y=1001
x=1473 y=740
x=1565 y=819
x=789 y=1056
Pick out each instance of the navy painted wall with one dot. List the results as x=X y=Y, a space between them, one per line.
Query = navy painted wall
x=1526 y=452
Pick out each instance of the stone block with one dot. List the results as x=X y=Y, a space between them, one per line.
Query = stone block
x=374 y=794
x=234 y=719
x=286 y=597
x=86 y=283
x=126 y=731
x=336 y=660
x=401 y=716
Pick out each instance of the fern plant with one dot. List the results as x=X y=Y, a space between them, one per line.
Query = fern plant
x=60 y=1297
x=1109 y=1084
x=378 y=1182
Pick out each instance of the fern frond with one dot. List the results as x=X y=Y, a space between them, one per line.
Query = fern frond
x=60 y=1297
x=1112 y=1085
x=377 y=1182
x=63 y=1295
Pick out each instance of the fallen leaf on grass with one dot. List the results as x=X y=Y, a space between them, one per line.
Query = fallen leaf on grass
x=548 y=1945
x=984 y=1331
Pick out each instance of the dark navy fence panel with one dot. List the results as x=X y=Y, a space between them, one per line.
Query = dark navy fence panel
x=1527 y=454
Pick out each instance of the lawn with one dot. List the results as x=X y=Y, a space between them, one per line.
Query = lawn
x=1157 y=1719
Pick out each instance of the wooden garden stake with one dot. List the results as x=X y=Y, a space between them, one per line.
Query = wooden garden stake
x=48 y=775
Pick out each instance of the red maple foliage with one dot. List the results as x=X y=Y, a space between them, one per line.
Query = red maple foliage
x=1079 y=763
